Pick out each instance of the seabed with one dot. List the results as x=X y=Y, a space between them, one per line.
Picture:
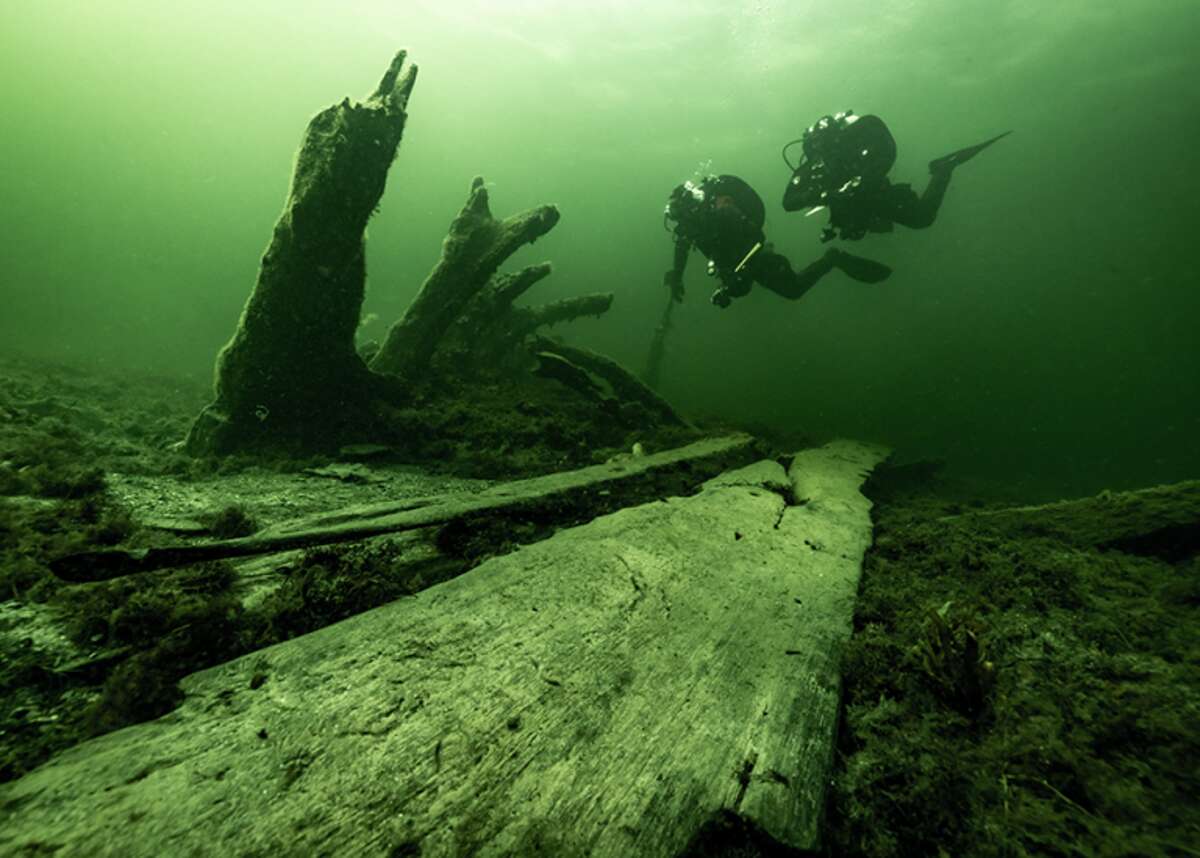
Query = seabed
x=1019 y=680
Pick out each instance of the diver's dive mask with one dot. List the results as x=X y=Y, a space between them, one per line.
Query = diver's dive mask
x=686 y=200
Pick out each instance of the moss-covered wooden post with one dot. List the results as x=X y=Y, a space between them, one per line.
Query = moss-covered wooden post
x=290 y=375
x=474 y=249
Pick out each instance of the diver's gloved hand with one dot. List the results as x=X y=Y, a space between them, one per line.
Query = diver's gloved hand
x=737 y=285
x=721 y=298
x=673 y=280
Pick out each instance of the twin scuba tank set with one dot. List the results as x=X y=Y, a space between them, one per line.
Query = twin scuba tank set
x=694 y=202
x=844 y=155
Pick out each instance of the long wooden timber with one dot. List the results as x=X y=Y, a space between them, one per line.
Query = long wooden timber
x=604 y=692
x=1107 y=520
x=548 y=493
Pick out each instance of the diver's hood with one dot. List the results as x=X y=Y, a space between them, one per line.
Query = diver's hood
x=691 y=200
x=841 y=153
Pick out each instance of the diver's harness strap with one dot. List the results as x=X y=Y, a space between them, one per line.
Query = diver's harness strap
x=757 y=247
x=735 y=287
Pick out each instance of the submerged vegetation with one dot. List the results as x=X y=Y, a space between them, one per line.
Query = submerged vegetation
x=134 y=638
x=230 y=522
x=1008 y=695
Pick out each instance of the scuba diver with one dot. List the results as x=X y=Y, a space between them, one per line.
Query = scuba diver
x=723 y=218
x=844 y=168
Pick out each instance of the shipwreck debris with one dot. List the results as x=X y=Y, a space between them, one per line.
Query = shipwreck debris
x=292 y=379
x=411 y=514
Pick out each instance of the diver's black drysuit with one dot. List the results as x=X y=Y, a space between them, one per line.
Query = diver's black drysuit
x=845 y=165
x=878 y=205
x=723 y=218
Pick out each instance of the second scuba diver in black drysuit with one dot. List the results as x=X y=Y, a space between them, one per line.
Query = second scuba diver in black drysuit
x=844 y=168
x=723 y=218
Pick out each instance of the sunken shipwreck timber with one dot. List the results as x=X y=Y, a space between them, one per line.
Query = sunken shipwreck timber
x=609 y=691
x=292 y=378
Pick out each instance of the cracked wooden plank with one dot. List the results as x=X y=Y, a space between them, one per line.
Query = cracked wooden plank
x=604 y=692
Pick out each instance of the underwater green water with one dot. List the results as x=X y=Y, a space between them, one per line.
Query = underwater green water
x=1043 y=332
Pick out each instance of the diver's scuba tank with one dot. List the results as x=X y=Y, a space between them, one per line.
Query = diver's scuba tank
x=842 y=153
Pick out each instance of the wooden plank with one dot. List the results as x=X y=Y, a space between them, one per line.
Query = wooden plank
x=604 y=692
x=827 y=530
x=549 y=492
x=1107 y=519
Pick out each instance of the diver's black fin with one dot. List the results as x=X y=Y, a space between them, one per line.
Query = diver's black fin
x=962 y=156
x=860 y=268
